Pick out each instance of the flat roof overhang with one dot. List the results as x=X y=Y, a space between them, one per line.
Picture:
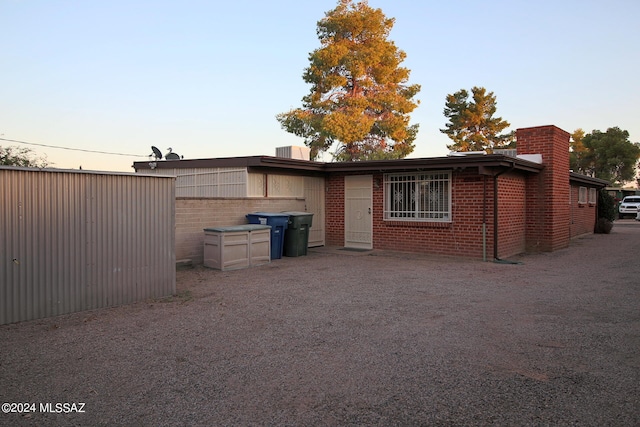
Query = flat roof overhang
x=588 y=180
x=484 y=163
x=232 y=162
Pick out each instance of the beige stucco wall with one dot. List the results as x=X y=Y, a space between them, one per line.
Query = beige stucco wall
x=193 y=215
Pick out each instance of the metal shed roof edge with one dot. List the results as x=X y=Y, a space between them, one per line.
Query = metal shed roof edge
x=84 y=171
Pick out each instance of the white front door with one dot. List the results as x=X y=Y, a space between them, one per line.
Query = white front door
x=358 y=224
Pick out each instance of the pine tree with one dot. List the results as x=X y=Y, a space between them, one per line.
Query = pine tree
x=359 y=94
x=472 y=126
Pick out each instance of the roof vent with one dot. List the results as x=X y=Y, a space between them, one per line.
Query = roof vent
x=535 y=158
x=294 y=152
x=512 y=152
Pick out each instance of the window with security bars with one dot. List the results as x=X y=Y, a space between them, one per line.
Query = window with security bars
x=418 y=196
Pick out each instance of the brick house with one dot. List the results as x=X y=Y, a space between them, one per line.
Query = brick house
x=476 y=205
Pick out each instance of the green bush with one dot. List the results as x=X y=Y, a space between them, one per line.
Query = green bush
x=606 y=206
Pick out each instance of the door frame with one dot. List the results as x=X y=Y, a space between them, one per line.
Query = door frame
x=366 y=211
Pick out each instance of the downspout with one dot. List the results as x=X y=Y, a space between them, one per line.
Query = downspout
x=484 y=219
x=595 y=225
x=495 y=213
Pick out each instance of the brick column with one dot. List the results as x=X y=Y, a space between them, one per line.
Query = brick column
x=547 y=193
x=334 y=211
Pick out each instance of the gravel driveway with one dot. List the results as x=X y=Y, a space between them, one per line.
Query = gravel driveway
x=351 y=338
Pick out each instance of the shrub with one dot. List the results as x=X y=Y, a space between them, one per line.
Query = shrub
x=606 y=206
x=606 y=212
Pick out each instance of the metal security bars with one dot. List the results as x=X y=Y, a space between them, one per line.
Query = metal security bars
x=418 y=196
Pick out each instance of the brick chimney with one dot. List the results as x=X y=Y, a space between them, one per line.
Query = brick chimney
x=547 y=193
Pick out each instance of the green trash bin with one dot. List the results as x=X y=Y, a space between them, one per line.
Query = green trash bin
x=296 y=238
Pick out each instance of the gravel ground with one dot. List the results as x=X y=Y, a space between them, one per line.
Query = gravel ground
x=352 y=338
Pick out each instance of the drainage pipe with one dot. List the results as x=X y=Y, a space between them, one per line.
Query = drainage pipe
x=484 y=219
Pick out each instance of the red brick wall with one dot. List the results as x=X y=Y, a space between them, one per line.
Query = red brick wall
x=547 y=193
x=334 y=211
x=461 y=237
x=534 y=210
x=583 y=216
x=511 y=214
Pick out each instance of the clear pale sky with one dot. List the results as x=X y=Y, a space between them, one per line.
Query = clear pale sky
x=208 y=77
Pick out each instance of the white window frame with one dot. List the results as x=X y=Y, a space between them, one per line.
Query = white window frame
x=582 y=196
x=593 y=196
x=418 y=196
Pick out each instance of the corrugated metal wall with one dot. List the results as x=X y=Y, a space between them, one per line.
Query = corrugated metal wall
x=75 y=240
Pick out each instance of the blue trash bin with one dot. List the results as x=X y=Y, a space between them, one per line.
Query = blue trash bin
x=278 y=223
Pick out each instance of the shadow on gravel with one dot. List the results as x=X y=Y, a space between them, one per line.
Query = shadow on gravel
x=373 y=338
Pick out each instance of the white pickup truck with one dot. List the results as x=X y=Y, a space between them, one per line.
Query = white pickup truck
x=629 y=207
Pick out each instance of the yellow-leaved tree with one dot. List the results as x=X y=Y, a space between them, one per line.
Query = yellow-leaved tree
x=359 y=93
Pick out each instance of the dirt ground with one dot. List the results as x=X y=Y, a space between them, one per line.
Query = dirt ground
x=350 y=338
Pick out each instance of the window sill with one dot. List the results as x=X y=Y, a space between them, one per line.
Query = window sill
x=418 y=224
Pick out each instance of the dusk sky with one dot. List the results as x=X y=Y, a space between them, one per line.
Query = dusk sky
x=208 y=78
